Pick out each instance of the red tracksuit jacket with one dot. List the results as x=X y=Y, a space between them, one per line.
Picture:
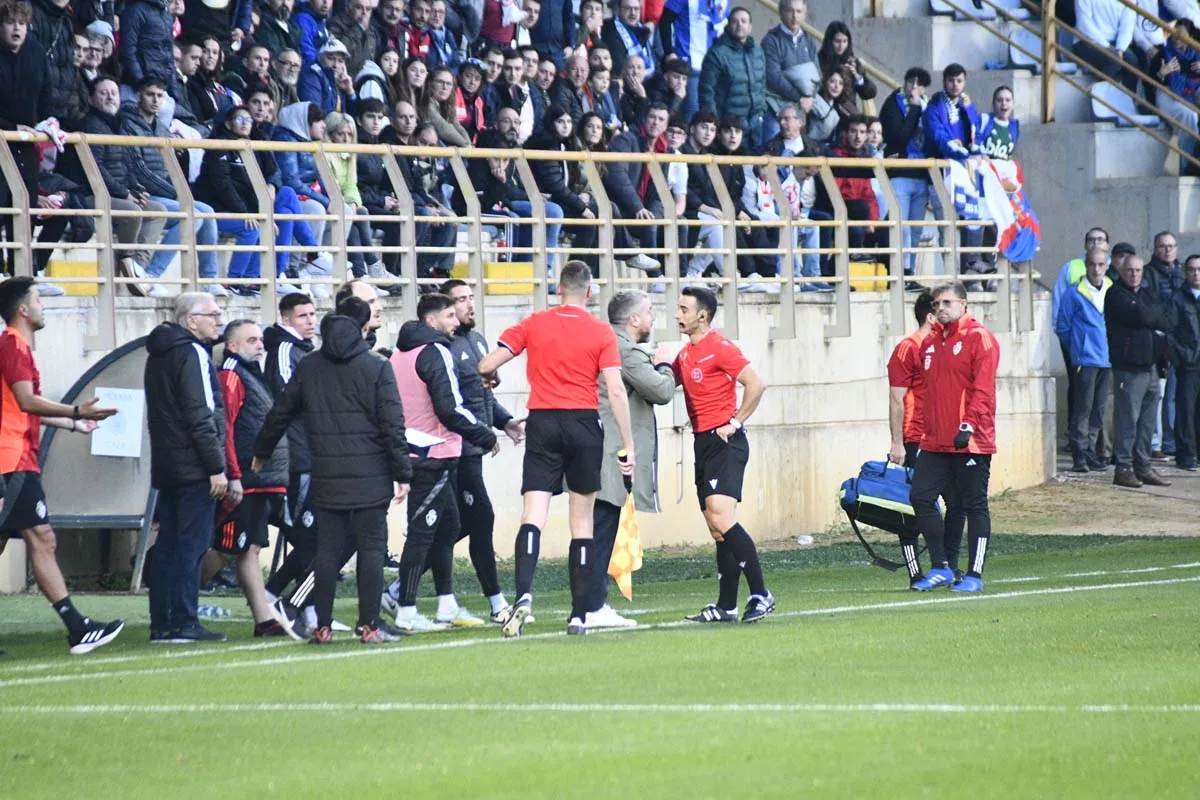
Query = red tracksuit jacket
x=959 y=361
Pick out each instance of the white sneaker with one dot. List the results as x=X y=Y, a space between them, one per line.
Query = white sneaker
x=216 y=290
x=607 y=617
x=339 y=627
x=50 y=290
x=748 y=286
x=418 y=624
x=461 y=618
x=128 y=268
x=642 y=262
x=159 y=290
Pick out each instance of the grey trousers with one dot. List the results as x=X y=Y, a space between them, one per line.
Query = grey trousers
x=1092 y=386
x=136 y=230
x=1135 y=398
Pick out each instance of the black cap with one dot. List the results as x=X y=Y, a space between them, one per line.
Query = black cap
x=1123 y=249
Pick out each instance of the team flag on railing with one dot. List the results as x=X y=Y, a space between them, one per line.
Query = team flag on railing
x=995 y=191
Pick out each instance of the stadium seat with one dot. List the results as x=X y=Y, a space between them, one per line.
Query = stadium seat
x=1115 y=97
x=1033 y=43
x=955 y=7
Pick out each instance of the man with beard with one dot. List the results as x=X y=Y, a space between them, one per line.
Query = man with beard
x=629 y=186
x=276 y=30
x=467 y=347
x=286 y=68
x=23 y=513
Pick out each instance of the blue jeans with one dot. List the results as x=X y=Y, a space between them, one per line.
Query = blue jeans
x=808 y=236
x=290 y=230
x=244 y=263
x=524 y=235
x=185 y=528
x=913 y=195
x=206 y=233
x=1164 y=434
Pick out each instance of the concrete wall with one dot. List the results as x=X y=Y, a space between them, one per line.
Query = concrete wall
x=824 y=414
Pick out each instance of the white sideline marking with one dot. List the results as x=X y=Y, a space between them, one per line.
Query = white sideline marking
x=1030 y=579
x=339 y=655
x=167 y=651
x=593 y=708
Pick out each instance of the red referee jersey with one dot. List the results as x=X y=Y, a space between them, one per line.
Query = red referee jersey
x=567 y=348
x=904 y=371
x=708 y=371
x=959 y=362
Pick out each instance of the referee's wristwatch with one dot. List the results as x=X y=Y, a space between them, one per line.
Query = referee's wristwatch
x=735 y=423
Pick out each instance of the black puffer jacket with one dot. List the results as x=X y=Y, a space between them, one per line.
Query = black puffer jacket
x=224 y=182
x=51 y=27
x=374 y=183
x=146 y=166
x=147 y=43
x=437 y=371
x=284 y=351
x=468 y=347
x=1131 y=318
x=553 y=177
x=347 y=398
x=238 y=373
x=111 y=159
x=184 y=407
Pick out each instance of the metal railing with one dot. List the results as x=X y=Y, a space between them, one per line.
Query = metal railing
x=1052 y=53
x=611 y=276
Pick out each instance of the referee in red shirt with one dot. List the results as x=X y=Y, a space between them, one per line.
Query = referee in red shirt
x=959 y=359
x=567 y=350
x=709 y=366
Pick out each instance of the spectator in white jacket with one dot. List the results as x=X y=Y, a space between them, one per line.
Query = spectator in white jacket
x=1108 y=28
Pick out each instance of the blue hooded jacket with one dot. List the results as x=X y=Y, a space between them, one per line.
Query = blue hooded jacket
x=1080 y=325
x=946 y=139
x=298 y=170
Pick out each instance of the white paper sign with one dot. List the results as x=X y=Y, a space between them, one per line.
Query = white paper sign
x=120 y=435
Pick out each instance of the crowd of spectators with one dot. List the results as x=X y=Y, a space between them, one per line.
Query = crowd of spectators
x=639 y=77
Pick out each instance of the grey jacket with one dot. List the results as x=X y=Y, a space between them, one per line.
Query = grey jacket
x=782 y=53
x=648 y=386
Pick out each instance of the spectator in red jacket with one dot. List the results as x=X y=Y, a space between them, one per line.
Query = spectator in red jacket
x=855 y=187
x=959 y=359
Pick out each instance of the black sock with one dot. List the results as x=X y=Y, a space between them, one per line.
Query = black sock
x=728 y=577
x=70 y=615
x=582 y=553
x=746 y=554
x=529 y=543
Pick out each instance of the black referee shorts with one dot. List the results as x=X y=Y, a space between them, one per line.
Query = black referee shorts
x=720 y=465
x=562 y=444
x=245 y=525
x=24 y=504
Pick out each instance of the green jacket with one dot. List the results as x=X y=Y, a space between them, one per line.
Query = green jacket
x=648 y=386
x=733 y=79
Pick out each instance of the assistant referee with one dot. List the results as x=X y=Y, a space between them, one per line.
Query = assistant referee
x=567 y=350
x=709 y=367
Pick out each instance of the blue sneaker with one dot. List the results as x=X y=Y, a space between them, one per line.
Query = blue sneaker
x=940 y=576
x=969 y=584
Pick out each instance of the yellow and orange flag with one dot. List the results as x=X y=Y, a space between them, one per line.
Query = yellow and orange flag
x=627 y=552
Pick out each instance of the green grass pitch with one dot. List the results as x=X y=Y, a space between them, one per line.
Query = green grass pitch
x=1077 y=674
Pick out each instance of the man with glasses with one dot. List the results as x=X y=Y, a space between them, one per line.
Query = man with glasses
x=1163 y=276
x=186 y=417
x=286 y=71
x=1068 y=277
x=959 y=359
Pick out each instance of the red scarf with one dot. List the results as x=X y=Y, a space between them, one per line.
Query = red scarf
x=659 y=145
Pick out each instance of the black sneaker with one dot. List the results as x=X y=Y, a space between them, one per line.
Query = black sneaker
x=710 y=613
x=379 y=633
x=197 y=633
x=269 y=628
x=95 y=634
x=758 y=607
